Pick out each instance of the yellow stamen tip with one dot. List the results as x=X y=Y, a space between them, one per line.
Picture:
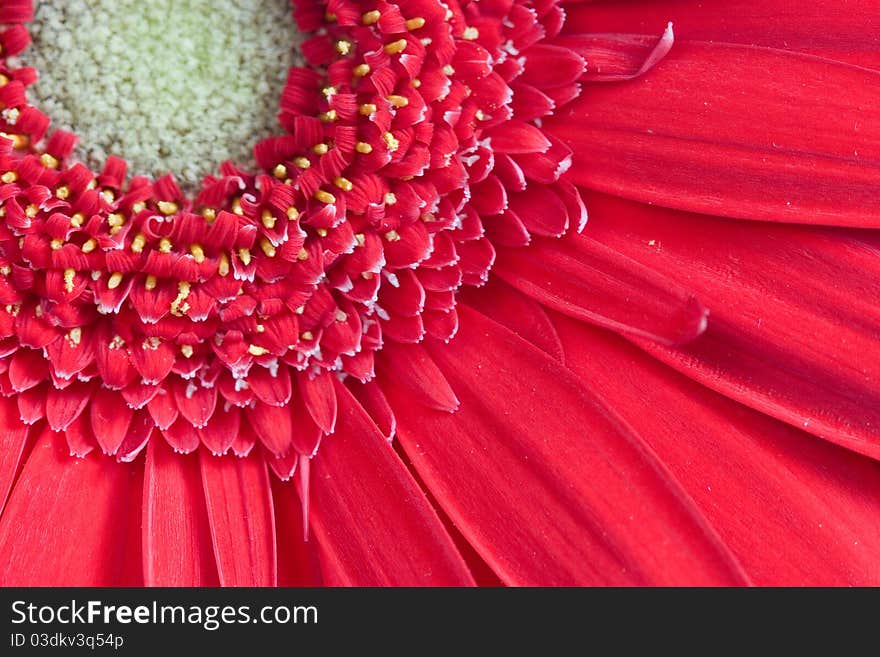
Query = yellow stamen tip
x=415 y=23
x=395 y=47
x=115 y=281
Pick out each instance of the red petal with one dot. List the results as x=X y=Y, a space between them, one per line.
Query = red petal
x=271 y=386
x=239 y=505
x=298 y=562
x=615 y=57
x=714 y=128
x=64 y=406
x=795 y=327
x=518 y=137
x=196 y=402
x=416 y=372
x=221 y=431
x=794 y=510
x=373 y=524
x=177 y=538
x=67 y=521
x=12 y=440
x=546 y=484
x=319 y=397
x=585 y=279
x=819 y=27
x=110 y=418
x=272 y=426
x=517 y=312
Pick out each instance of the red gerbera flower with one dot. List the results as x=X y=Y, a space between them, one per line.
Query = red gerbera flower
x=193 y=385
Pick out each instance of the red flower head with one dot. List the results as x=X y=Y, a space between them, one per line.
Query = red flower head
x=408 y=263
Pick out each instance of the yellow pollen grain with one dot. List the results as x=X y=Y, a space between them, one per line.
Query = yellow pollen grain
x=268 y=220
x=31 y=211
x=390 y=198
x=367 y=109
x=168 y=207
x=116 y=220
x=138 y=243
x=245 y=256
x=89 y=246
x=178 y=306
x=150 y=282
x=341 y=316
x=325 y=197
x=209 y=214
x=187 y=350
x=267 y=248
x=329 y=116
x=415 y=23
x=329 y=92
x=9 y=177
x=223 y=265
x=416 y=83
x=320 y=149
x=116 y=343
x=108 y=195
x=361 y=239
x=49 y=161
x=343 y=47
x=302 y=162
x=74 y=337
x=56 y=244
x=363 y=148
x=371 y=17
x=280 y=172
x=260 y=328
x=138 y=207
x=395 y=47
x=361 y=70
x=398 y=101
x=115 y=281
x=292 y=213
x=4 y=80
x=165 y=245
x=322 y=232
x=198 y=253
x=470 y=34
x=344 y=184
x=302 y=255
x=330 y=17
x=391 y=141
x=236 y=207
x=448 y=70
x=63 y=192
x=308 y=336
x=255 y=350
x=392 y=236
x=77 y=220
x=69 y=278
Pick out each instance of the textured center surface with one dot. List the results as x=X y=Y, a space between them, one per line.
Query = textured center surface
x=170 y=85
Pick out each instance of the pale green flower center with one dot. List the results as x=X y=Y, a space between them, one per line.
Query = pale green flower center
x=170 y=85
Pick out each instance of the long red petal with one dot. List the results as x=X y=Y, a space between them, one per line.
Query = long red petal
x=795 y=327
x=547 y=485
x=714 y=128
x=67 y=522
x=828 y=28
x=13 y=436
x=585 y=279
x=239 y=505
x=373 y=524
x=177 y=538
x=795 y=510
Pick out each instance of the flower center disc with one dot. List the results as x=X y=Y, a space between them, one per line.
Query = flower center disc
x=170 y=85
